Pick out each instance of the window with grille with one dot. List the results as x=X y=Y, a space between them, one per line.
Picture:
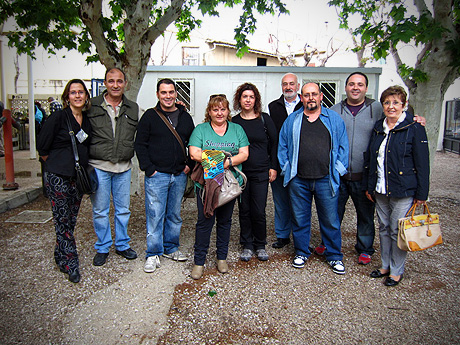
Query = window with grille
x=185 y=93
x=329 y=93
x=329 y=90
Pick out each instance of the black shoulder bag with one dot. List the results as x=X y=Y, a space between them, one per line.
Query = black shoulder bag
x=85 y=184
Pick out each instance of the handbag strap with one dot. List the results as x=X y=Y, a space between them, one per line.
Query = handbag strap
x=245 y=179
x=414 y=207
x=173 y=130
x=74 y=144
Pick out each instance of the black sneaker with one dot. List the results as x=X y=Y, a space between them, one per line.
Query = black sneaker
x=128 y=254
x=100 y=259
x=281 y=242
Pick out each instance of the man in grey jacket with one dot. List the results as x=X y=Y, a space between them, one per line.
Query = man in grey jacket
x=359 y=114
x=113 y=120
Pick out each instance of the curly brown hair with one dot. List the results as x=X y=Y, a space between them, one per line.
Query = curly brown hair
x=217 y=100
x=239 y=92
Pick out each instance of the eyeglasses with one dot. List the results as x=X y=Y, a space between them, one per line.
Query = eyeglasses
x=217 y=95
x=394 y=104
x=311 y=95
x=74 y=93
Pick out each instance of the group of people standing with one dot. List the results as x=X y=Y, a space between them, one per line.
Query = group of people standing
x=375 y=153
x=302 y=149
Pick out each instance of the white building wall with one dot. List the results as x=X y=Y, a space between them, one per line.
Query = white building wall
x=209 y=80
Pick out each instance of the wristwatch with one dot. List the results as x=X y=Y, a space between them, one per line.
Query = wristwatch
x=230 y=161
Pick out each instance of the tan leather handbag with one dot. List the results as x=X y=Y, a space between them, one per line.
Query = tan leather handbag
x=419 y=232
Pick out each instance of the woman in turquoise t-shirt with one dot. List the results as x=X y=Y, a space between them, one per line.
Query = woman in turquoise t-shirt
x=216 y=133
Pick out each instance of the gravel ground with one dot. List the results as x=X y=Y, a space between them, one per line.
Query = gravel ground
x=256 y=303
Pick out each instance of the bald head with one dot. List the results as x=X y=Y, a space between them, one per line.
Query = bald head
x=311 y=97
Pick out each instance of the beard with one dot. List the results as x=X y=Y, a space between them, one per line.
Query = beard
x=312 y=106
x=289 y=94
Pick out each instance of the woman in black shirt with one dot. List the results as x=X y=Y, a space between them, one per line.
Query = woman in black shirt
x=260 y=169
x=55 y=148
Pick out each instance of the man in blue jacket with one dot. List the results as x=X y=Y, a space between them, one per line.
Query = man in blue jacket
x=313 y=154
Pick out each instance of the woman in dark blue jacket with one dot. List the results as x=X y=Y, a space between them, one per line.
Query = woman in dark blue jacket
x=397 y=175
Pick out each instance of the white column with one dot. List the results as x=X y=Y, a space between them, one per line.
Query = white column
x=30 y=78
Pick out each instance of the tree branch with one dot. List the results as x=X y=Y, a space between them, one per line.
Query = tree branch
x=164 y=21
x=394 y=52
x=421 y=55
x=91 y=14
x=422 y=8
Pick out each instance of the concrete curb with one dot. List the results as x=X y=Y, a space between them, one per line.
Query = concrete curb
x=27 y=195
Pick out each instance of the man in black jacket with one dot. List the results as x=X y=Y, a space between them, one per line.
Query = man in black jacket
x=279 y=110
x=164 y=160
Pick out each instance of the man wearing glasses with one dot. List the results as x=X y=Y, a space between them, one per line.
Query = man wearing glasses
x=313 y=154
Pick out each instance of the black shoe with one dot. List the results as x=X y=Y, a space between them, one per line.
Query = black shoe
x=127 y=254
x=378 y=274
x=281 y=242
x=100 y=259
x=391 y=282
x=74 y=277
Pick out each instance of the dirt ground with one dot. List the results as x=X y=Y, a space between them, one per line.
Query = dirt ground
x=256 y=303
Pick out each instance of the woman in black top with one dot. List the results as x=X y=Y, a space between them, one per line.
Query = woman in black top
x=55 y=148
x=260 y=169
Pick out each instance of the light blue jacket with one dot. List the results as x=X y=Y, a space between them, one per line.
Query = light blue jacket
x=289 y=140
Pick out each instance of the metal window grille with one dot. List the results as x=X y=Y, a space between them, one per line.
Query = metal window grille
x=329 y=90
x=186 y=93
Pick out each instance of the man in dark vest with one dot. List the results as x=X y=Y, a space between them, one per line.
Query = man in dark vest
x=279 y=110
x=113 y=120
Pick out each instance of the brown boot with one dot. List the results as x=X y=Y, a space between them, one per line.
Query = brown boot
x=222 y=266
x=197 y=272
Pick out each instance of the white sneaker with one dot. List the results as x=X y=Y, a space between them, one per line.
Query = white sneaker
x=151 y=264
x=337 y=266
x=176 y=256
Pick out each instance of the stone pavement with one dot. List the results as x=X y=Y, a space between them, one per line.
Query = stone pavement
x=27 y=173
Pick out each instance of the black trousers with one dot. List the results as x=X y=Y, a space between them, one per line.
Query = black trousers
x=253 y=223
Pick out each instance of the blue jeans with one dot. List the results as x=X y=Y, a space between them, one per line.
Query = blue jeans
x=118 y=186
x=389 y=210
x=364 y=212
x=163 y=196
x=283 y=221
x=223 y=216
x=301 y=192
